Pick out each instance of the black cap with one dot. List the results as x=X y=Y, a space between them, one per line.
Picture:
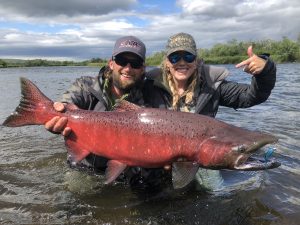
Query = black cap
x=130 y=44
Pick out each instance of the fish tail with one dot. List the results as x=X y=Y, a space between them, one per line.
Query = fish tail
x=34 y=107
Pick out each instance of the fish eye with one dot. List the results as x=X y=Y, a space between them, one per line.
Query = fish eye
x=242 y=148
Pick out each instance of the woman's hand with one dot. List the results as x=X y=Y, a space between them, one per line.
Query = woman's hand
x=254 y=64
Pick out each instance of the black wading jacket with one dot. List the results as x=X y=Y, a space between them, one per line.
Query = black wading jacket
x=213 y=89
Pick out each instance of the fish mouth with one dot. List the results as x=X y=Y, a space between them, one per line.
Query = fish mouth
x=257 y=156
x=257 y=163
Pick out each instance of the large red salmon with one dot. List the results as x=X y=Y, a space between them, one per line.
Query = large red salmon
x=136 y=136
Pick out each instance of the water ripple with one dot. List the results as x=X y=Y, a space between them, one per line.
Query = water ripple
x=37 y=187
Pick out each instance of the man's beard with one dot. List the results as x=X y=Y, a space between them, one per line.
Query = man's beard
x=126 y=85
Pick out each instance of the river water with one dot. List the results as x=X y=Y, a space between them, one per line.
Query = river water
x=38 y=187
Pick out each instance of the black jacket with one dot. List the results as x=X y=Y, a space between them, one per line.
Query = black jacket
x=214 y=90
x=90 y=93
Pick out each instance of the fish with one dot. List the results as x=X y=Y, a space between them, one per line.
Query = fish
x=131 y=136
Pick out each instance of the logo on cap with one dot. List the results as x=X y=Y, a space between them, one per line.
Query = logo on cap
x=129 y=44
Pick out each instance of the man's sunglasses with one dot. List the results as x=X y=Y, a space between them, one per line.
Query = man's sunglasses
x=186 y=56
x=134 y=63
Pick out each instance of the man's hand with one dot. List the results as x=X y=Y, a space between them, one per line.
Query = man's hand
x=254 y=64
x=59 y=124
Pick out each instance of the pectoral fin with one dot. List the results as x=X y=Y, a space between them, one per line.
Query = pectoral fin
x=76 y=152
x=183 y=173
x=113 y=170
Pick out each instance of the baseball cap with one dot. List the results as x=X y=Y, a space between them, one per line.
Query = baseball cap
x=181 y=42
x=130 y=44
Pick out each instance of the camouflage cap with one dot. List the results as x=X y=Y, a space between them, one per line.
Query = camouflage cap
x=130 y=44
x=181 y=42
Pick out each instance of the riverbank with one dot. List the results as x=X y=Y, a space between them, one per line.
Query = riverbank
x=232 y=52
x=8 y=63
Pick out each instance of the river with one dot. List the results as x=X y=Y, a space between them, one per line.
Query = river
x=38 y=187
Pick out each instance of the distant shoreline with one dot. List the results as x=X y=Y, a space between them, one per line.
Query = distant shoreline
x=208 y=61
x=232 y=52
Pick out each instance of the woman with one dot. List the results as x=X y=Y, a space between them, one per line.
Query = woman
x=185 y=83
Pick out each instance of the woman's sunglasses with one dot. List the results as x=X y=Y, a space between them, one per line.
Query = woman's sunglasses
x=186 y=56
x=134 y=63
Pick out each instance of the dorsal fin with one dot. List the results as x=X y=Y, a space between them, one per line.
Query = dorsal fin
x=123 y=106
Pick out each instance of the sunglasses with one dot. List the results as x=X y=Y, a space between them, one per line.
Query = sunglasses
x=176 y=57
x=134 y=63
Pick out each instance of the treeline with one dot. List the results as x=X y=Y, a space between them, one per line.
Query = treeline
x=234 y=51
x=4 y=63
x=282 y=51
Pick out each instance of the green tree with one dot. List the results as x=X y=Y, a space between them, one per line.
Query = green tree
x=155 y=59
x=288 y=50
x=3 y=64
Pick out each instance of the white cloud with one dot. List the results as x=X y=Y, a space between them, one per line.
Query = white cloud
x=89 y=29
x=213 y=8
x=196 y=6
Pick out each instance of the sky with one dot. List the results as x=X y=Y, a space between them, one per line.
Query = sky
x=84 y=29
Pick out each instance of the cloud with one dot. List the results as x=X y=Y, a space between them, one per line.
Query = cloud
x=69 y=8
x=85 y=29
x=221 y=21
x=213 y=8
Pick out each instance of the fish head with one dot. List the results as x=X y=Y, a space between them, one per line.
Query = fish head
x=237 y=153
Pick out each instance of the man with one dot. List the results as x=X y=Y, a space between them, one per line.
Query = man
x=122 y=78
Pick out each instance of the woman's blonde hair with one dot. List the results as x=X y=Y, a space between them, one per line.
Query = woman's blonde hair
x=188 y=93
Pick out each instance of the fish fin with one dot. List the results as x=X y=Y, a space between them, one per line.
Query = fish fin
x=183 y=173
x=32 y=107
x=113 y=170
x=76 y=153
x=123 y=106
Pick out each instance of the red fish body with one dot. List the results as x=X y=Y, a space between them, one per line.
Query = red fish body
x=151 y=138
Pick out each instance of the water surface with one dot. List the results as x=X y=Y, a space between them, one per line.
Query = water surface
x=37 y=186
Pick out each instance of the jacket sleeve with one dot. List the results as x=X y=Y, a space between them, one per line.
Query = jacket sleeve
x=237 y=95
x=78 y=93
